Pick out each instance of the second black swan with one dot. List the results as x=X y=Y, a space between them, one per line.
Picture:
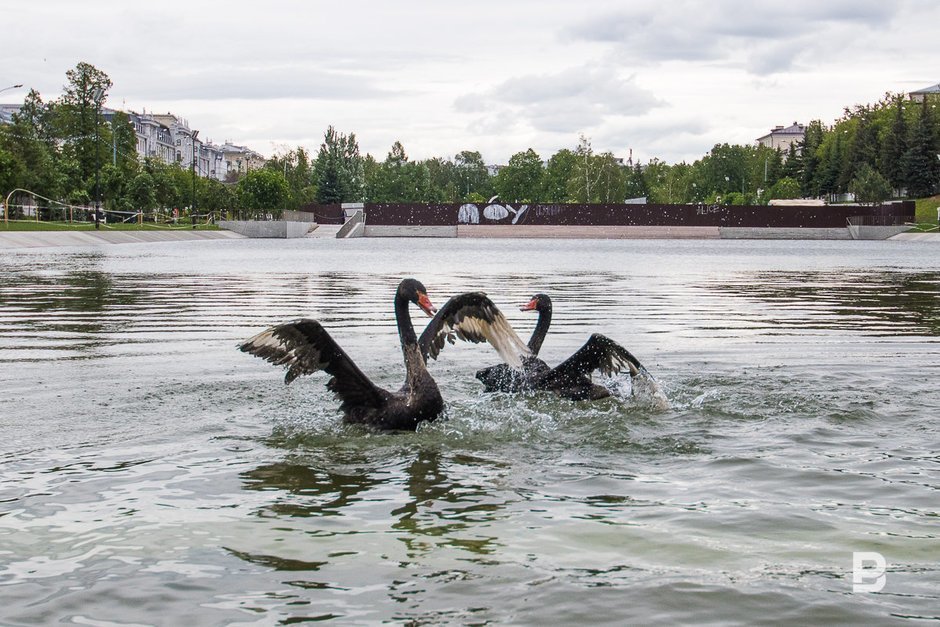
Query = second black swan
x=570 y=379
x=304 y=347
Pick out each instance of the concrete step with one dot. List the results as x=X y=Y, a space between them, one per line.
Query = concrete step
x=325 y=231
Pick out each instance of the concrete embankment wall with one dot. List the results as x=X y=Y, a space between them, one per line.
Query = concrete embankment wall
x=524 y=231
x=730 y=232
x=588 y=232
x=265 y=229
x=409 y=231
x=38 y=239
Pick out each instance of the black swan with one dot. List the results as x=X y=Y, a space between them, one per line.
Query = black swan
x=505 y=378
x=570 y=379
x=304 y=347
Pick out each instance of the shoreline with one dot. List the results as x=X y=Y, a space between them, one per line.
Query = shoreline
x=12 y=240
x=15 y=240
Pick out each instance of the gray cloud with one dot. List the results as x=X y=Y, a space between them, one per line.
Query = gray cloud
x=256 y=83
x=760 y=37
x=565 y=102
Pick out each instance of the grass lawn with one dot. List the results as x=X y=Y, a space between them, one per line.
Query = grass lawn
x=32 y=225
x=926 y=209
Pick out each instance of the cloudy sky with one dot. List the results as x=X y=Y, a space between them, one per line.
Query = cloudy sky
x=665 y=78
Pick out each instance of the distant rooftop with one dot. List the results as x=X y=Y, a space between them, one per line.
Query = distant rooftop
x=933 y=89
x=793 y=129
x=921 y=94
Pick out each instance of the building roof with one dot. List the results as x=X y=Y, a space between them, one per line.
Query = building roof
x=795 y=130
x=933 y=89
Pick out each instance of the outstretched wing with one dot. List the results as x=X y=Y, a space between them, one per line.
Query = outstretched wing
x=304 y=347
x=473 y=317
x=598 y=353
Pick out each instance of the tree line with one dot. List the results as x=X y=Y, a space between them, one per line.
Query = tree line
x=876 y=152
x=64 y=150
x=67 y=151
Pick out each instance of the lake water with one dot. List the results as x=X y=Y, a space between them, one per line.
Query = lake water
x=150 y=473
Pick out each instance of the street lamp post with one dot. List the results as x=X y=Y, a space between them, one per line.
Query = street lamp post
x=97 y=96
x=11 y=87
x=192 y=213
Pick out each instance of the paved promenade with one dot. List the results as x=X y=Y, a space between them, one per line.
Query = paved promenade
x=38 y=239
x=918 y=237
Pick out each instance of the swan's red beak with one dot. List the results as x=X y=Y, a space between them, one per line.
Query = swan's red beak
x=530 y=306
x=425 y=304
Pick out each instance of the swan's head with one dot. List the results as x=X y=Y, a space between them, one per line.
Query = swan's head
x=539 y=302
x=414 y=290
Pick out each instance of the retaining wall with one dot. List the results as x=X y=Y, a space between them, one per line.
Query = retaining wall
x=588 y=232
x=778 y=216
x=409 y=231
x=267 y=229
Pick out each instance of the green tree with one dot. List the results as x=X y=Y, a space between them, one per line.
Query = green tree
x=11 y=170
x=785 y=187
x=263 y=192
x=635 y=183
x=729 y=168
x=611 y=184
x=114 y=188
x=443 y=180
x=558 y=171
x=894 y=145
x=765 y=166
x=86 y=138
x=521 y=179
x=338 y=169
x=169 y=181
x=472 y=175
x=298 y=170
x=587 y=174
x=809 y=147
x=676 y=184
x=142 y=192
x=32 y=145
x=219 y=198
x=792 y=166
x=830 y=155
x=863 y=140
x=398 y=179
x=124 y=144
x=869 y=186
x=920 y=164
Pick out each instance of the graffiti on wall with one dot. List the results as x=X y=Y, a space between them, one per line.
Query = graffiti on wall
x=469 y=213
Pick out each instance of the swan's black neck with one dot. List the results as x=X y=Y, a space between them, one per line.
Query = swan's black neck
x=541 y=328
x=403 y=317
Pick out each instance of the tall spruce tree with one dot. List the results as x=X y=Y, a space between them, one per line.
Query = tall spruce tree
x=893 y=147
x=338 y=168
x=809 y=148
x=85 y=134
x=920 y=163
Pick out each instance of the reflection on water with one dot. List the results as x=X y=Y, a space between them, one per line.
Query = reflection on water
x=309 y=491
x=899 y=303
x=151 y=470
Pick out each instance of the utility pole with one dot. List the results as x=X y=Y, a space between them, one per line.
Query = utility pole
x=97 y=94
x=192 y=213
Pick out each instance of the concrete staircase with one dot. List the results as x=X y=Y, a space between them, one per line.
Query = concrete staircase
x=325 y=231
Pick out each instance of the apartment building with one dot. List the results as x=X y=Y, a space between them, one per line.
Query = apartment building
x=170 y=139
x=780 y=138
